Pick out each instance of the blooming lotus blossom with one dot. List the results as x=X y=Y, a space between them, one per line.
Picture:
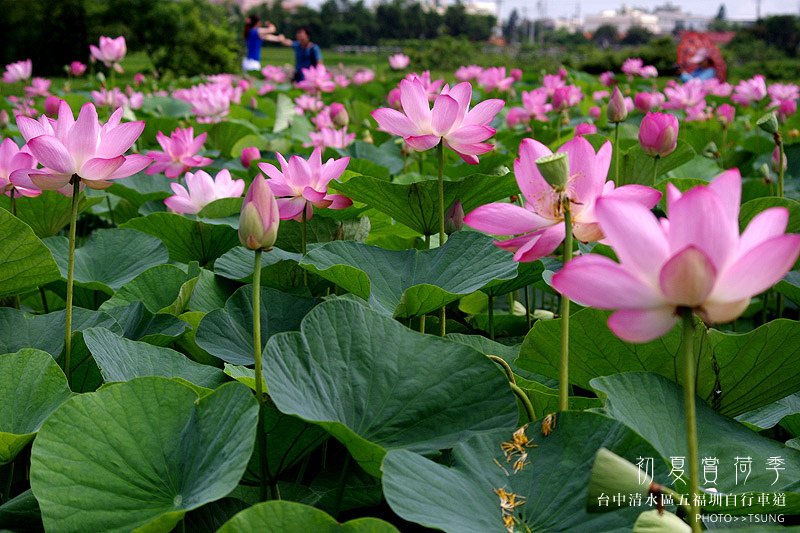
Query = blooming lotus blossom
x=302 y=185
x=330 y=138
x=23 y=106
x=14 y=167
x=539 y=225
x=19 y=71
x=76 y=68
x=451 y=121
x=363 y=76
x=551 y=82
x=632 y=67
x=516 y=73
x=585 y=128
x=201 y=190
x=646 y=102
x=607 y=78
x=134 y=99
x=658 y=134
x=210 y=102
x=600 y=96
x=399 y=61
x=784 y=98
x=274 y=74
x=691 y=94
x=38 y=87
x=725 y=114
x=180 y=153
x=495 y=79
x=110 y=52
x=266 y=88
x=567 y=97
x=517 y=115
x=749 y=92
x=535 y=103
x=468 y=73
x=694 y=259
x=138 y=79
x=341 y=80
x=83 y=147
x=717 y=88
x=648 y=71
x=306 y=102
x=113 y=98
x=432 y=87
x=317 y=79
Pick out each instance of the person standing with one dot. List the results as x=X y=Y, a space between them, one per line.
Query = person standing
x=306 y=53
x=254 y=37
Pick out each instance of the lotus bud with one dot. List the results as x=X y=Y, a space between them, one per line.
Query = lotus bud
x=259 y=219
x=612 y=474
x=454 y=219
x=726 y=114
x=763 y=170
x=617 y=111
x=658 y=134
x=768 y=123
x=339 y=115
x=776 y=157
x=51 y=105
x=4 y=118
x=711 y=150
x=656 y=522
x=554 y=169
x=250 y=154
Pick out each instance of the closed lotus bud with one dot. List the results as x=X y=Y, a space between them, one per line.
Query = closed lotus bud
x=612 y=474
x=259 y=219
x=4 y=118
x=763 y=170
x=768 y=123
x=454 y=219
x=711 y=150
x=339 y=115
x=617 y=111
x=250 y=154
x=726 y=114
x=658 y=134
x=554 y=169
x=660 y=522
x=51 y=104
x=776 y=156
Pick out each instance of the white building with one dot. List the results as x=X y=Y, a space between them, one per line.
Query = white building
x=672 y=17
x=623 y=19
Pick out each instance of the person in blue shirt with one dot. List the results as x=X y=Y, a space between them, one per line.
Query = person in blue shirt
x=254 y=37
x=306 y=53
x=703 y=68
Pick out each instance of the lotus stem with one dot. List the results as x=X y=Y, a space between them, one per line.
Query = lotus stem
x=442 y=234
x=563 y=385
x=262 y=435
x=687 y=346
x=655 y=169
x=781 y=171
x=527 y=307
x=422 y=323
x=491 y=317
x=76 y=191
x=13 y=202
x=616 y=154
x=304 y=242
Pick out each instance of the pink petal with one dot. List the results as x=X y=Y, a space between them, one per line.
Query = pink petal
x=765 y=225
x=50 y=181
x=133 y=163
x=544 y=244
x=634 y=233
x=531 y=183
x=313 y=196
x=181 y=205
x=332 y=169
x=415 y=103
x=117 y=140
x=30 y=128
x=394 y=122
x=338 y=201
x=588 y=170
x=483 y=113
x=444 y=114
x=271 y=171
x=719 y=313
x=469 y=135
x=758 y=269
x=597 y=281
x=461 y=93
x=505 y=219
x=641 y=194
x=83 y=136
x=642 y=325
x=100 y=169
x=421 y=143
x=290 y=208
x=688 y=277
x=728 y=186
x=51 y=153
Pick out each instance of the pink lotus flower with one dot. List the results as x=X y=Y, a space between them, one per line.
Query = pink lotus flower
x=258 y=221
x=38 y=87
x=690 y=94
x=4 y=118
x=451 y=121
x=393 y=98
x=302 y=184
x=110 y=52
x=138 y=79
x=749 y=92
x=330 y=138
x=201 y=190
x=698 y=113
x=83 y=147
x=133 y=99
x=467 y=73
x=210 y=102
x=535 y=103
x=648 y=71
x=539 y=225
x=646 y=102
x=784 y=98
x=516 y=73
x=19 y=71
x=399 y=61
x=551 y=82
x=306 y=102
x=432 y=87
x=266 y=88
x=363 y=76
x=51 y=105
x=495 y=79
x=726 y=114
x=180 y=153
x=607 y=78
x=23 y=106
x=77 y=69
x=341 y=80
x=517 y=115
x=600 y=96
x=695 y=258
x=658 y=134
x=632 y=67
x=567 y=97
x=317 y=79
x=585 y=128
x=249 y=154
x=113 y=98
x=595 y=112
x=717 y=88
x=338 y=114
x=778 y=162
x=274 y=74
x=14 y=167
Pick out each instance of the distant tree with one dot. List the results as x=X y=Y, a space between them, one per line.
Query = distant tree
x=605 y=35
x=637 y=35
x=783 y=32
x=720 y=21
x=510 y=27
x=474 y=27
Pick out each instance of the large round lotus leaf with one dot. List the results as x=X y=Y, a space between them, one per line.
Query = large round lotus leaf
x=27 y=263
x=31 y=387
x=140 y=454
x=376 y=385
x=291 y=517
x=461 y=498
